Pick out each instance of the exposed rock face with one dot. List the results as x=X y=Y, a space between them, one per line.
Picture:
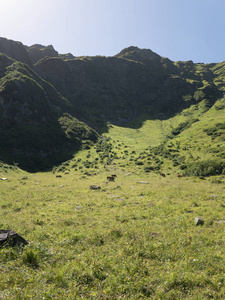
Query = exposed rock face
x=37 y=52
x=119 y=84
x=29 y=55
x=136 y=54
x=15 y=50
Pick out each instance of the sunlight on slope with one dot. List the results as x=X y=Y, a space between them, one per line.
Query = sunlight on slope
x=151 y=133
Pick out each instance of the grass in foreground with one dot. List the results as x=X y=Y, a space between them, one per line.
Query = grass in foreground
x=128 y=240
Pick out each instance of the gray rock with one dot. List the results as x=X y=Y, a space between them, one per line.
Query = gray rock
x=78 y=207
x=95 y=187
x=199 y=221
x=11 y=238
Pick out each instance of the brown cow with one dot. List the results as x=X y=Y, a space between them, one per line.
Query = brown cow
x=59 y=176
x=162 y=174
x=180 y=175
x=111 y=178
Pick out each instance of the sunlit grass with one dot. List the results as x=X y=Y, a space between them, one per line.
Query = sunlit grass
x=127 y=240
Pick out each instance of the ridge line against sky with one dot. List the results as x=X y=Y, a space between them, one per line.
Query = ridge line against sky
x=177 y=29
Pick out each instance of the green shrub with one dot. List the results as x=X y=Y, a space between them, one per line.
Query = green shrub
x=30 y=257
x=215 y=131
x=217 y=181
x=148 y=169
x=205 y=168
x=182 y=126
x=139 y=163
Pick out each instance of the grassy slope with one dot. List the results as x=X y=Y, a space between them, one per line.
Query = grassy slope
x=128 y=240
x=192 y=142
x=134 y=241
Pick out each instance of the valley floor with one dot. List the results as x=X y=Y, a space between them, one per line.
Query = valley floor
x=134 y=238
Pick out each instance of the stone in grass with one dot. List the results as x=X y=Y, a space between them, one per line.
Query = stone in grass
x=11 y=238
x=78 y=207
x=199 y=221
x=95 y=187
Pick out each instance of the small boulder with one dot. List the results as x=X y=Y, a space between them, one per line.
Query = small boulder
x=78 y=207
x=11 y=238
x=95 y=187
x=199 y=221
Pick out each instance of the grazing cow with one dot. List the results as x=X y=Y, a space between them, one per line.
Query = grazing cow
x=111 y=178
x=114 y=175
x=180 y=175
x=67 y=172
x=59 y=176
x=162 y=174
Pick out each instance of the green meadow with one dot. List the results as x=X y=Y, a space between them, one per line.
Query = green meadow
x=135 y=238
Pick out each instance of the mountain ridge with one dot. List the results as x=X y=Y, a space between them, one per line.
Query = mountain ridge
x=38 y=86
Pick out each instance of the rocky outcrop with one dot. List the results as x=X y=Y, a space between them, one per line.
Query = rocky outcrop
x=15 y=50
x=124 y=86
x=29 y=54
x=37 y=52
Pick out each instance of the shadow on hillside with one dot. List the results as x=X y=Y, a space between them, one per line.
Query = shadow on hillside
x=159 y=114
x=36 y=148
x=34 y=163
x=137 y=122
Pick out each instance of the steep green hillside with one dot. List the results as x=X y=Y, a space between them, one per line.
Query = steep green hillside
x=33 y=130
x=190 y=144
x=142 y=100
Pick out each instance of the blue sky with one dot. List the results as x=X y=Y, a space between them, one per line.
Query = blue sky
x=177 y=29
